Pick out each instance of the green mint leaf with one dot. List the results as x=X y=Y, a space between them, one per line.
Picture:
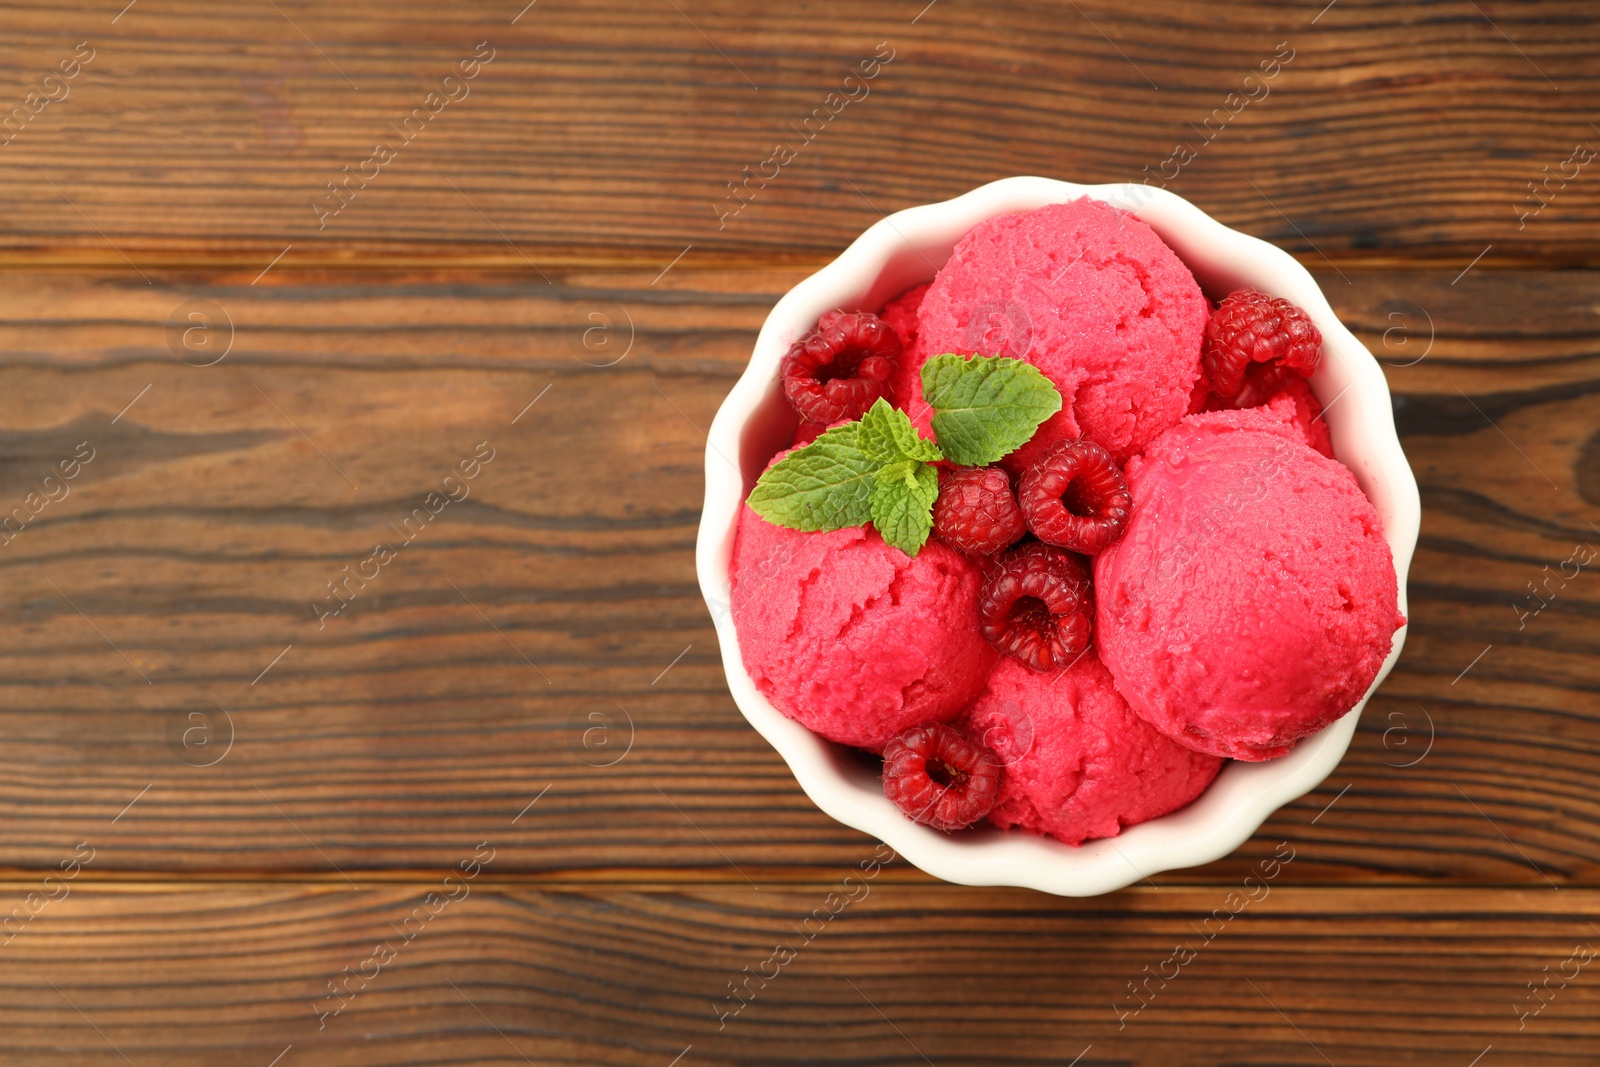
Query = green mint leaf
x=987 y=406
x=827 y=485
x=887 y=435
x=902 y=503
x=876 y=469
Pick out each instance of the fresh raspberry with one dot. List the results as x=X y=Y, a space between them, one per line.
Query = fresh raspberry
x=838 y=369
x=939 y=777
x=976 y=512
x=1075 y=497
x=1254 y=342
x=1037 y=606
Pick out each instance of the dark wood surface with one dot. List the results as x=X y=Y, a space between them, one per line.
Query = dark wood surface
x=1449 y=861
x=582 y=973
x=609 y=130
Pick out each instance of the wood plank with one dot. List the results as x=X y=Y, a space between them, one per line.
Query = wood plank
x=606 y=132
x=178 y=576
x=191 y=975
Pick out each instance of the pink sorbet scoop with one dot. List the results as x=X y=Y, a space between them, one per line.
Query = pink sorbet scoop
x=1079 y=763
x=1091 y=296
x=851 y=637
x=1253 y=598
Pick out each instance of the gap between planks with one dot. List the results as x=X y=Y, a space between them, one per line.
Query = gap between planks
x=378 y=260
x=17 y=880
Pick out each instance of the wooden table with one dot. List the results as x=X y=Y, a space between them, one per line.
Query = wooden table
x=500 y=807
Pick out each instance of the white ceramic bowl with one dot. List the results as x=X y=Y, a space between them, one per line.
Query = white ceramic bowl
x=903 y=250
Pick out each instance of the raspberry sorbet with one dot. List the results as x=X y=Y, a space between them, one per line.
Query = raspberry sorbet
x=1093 y=298
x=1253 y=598
x=1079 y=763
x=851 y=637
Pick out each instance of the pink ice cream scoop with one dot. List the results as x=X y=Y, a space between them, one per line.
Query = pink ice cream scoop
x=1093 y=298
x=1253 y=598
x=1079 y=763
x=851 y=637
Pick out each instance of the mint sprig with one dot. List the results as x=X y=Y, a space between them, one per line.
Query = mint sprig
x=985 y=407
x=878 y=469
x=827 y=485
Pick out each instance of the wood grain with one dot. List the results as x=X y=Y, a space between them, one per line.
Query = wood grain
x=509 y=767
x=578 y=974
x=607 y=131
x=458 y=684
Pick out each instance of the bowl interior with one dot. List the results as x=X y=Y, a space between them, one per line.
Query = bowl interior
x=755 y=422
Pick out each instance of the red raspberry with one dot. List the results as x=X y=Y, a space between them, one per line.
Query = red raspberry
x=976 y=512
x=1254 y=342
x=939 y=777
x=1075 y=497
x=1037 y=606
x=838 y=369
